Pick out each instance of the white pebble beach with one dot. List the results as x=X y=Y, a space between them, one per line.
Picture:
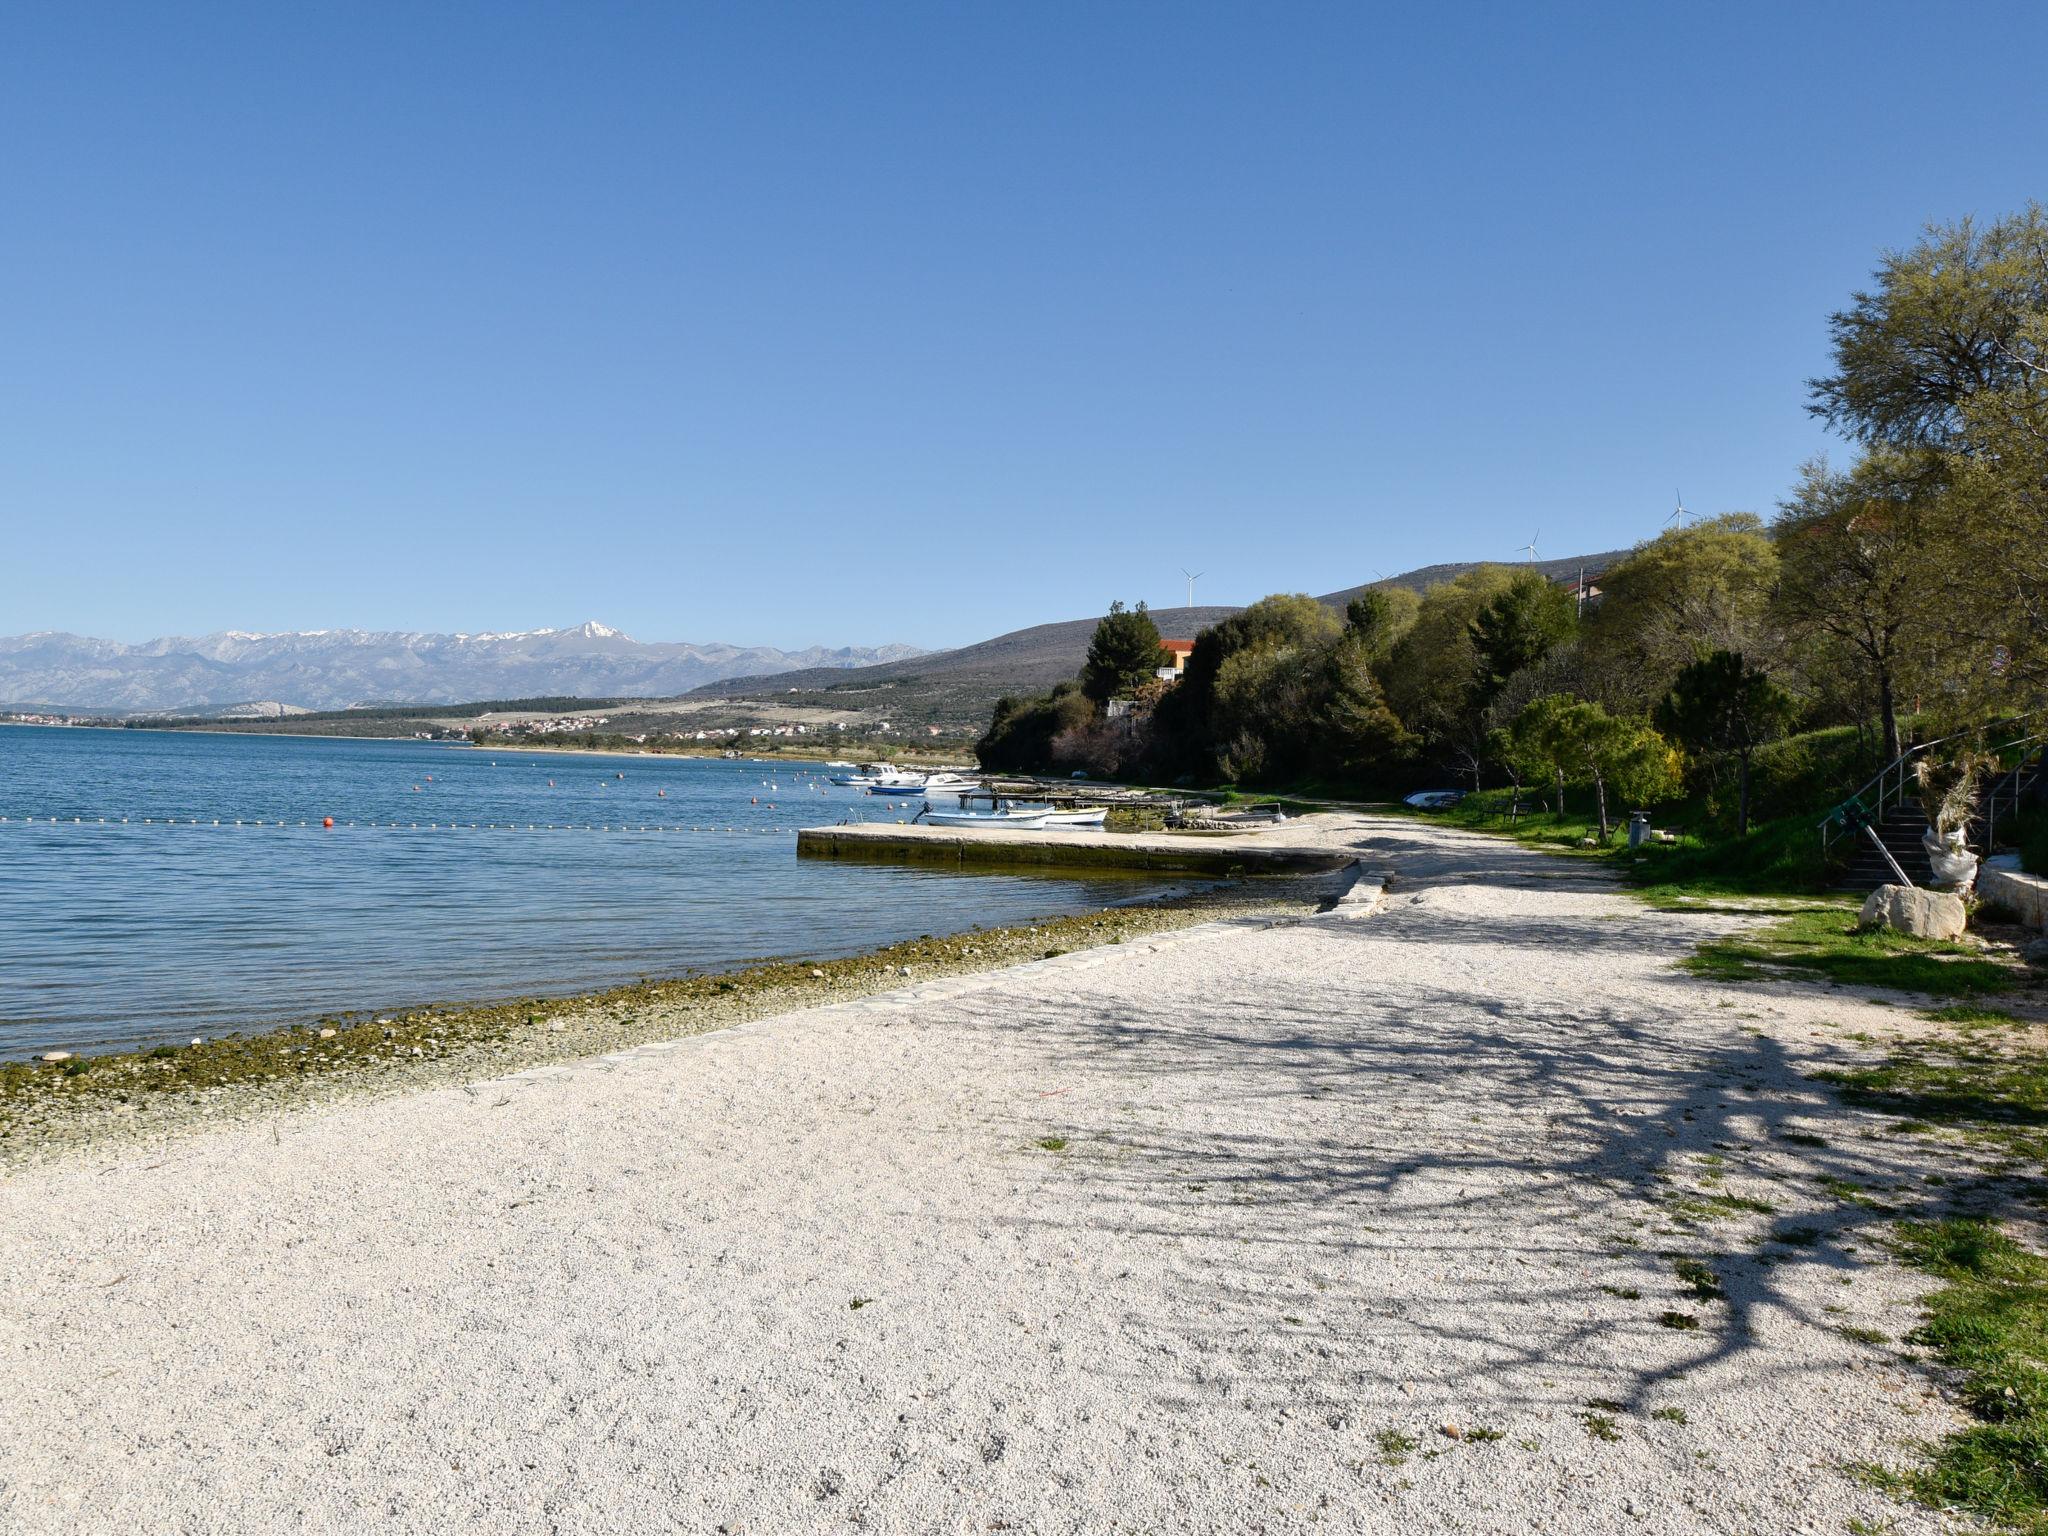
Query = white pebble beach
x=1246 y=1227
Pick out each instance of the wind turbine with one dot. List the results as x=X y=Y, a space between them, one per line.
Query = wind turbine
x=1530 y=547
x=1193 y=577
x=1678 y=511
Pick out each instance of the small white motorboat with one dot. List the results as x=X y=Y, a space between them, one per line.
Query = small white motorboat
x=1000 y=815
x=1092 y=817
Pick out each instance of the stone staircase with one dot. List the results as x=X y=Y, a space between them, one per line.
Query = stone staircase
x=1864 y=868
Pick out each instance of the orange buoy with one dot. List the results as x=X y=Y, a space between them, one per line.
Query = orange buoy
x=327 y=821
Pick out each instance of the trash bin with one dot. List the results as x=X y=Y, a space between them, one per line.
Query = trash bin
x=1638 y=828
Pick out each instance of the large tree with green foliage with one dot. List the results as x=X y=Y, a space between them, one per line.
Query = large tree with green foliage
x=1355 y=737
x=1269 y=690
x=1380 y=616
x=1576 y=742
x=1723 y=705
x=1955 y=319
x=1690 y=591
x=1022 y=732
x=1123 y=655
x=1945 y=358
x=1431 y=674
x=1517 y=628
x=1216 y=709
x=1537 y=745
x=1854 y=551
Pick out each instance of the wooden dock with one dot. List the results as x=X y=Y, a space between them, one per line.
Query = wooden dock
x=1183 y=853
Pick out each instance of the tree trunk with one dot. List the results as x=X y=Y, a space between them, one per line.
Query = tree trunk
x=1887 y=709
x=1560 y=790
x=1600 y=793
x=1742 y=796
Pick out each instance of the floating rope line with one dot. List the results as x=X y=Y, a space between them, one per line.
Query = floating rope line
x=250 y=823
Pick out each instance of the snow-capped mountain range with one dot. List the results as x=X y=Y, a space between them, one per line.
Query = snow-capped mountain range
x=335 y=668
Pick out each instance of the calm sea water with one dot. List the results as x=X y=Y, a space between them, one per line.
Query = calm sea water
x=116 y=933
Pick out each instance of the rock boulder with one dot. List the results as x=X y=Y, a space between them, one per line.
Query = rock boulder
x=1923 y=914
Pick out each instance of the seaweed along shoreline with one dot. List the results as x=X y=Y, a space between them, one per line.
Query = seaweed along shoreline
x=81 y=1104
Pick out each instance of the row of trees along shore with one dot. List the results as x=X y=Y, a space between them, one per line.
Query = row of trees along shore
x=1729 y=659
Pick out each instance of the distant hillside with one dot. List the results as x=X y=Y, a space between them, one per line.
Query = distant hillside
x=1422 y=578
x=949 y=686
x=960 y=687
x=336 y=668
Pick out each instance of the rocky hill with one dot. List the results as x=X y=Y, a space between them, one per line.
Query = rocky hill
x=336 y=668
x=959 y=687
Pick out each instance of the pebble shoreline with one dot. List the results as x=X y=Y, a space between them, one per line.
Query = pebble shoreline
x=74 y=1105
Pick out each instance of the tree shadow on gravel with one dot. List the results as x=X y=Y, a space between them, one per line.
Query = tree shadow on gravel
x=1360 y=1187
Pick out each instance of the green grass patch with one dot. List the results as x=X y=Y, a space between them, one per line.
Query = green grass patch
x=1969 y=1013
x=1849 y=1192
x=1989 y=1090
x=1989 y=1321
x=1601 y=1426
x=1395 y=1447
x=1826 y=941
x=1692 y=1210
x=1699 y=1280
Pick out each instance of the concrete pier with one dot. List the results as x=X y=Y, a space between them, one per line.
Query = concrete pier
x=1255 y=853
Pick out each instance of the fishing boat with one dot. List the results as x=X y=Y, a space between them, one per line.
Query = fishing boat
x=1000 y=814
x=904 y=785
x=1082 y=817
x=1094 y=816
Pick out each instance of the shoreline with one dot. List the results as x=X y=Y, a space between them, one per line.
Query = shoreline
x=90 y=1103
x=921 y=760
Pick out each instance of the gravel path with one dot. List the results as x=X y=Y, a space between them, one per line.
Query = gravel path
x=1218 y=1230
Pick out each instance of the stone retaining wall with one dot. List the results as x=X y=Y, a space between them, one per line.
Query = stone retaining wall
x=2001 y=880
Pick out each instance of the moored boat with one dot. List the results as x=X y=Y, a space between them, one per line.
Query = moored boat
x=1093 y=816
x=1000 y=815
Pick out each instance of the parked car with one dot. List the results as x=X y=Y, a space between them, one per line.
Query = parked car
x=1435 y=799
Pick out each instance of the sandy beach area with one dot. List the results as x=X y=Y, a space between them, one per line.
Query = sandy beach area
x=1347 y=1222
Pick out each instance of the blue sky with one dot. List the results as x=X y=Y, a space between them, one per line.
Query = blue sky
x=852 y=323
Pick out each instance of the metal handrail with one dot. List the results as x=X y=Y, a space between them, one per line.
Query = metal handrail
x=2013 y=785
x=1890 y=784
x=1837 y=820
